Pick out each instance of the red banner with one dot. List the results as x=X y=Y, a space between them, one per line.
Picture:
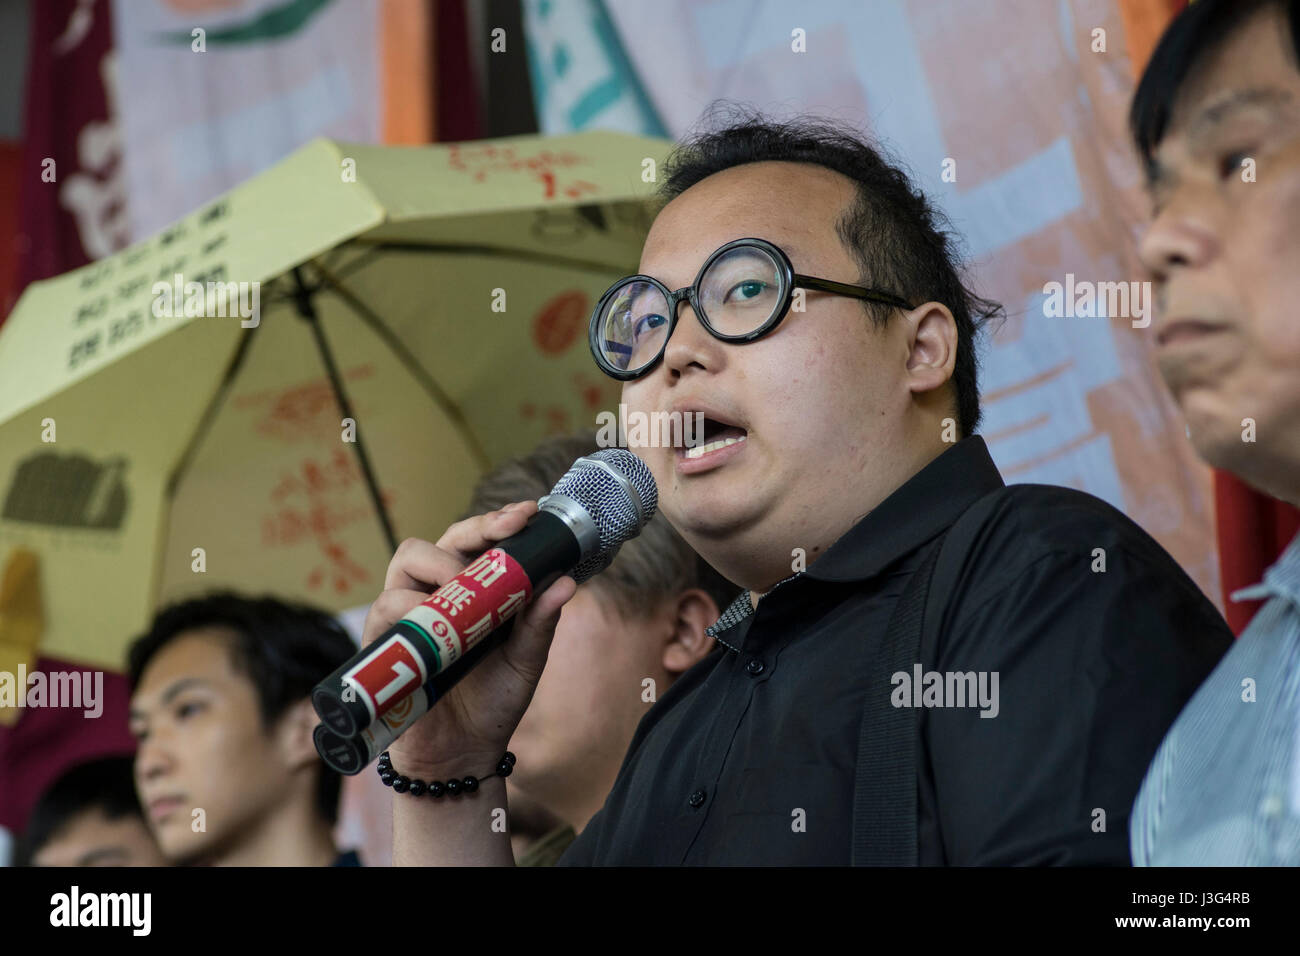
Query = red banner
x=73 y=196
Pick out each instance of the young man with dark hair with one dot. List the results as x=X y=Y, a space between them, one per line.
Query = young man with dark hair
x=90 y=816
x=623 y=640
x=226 y=768
x=1216 y=119
x=927 y=666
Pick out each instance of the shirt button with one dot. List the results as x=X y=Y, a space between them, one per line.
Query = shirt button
x=697 y=799
x=1271 y=806
x=755 y=667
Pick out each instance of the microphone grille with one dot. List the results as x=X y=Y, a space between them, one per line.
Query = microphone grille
x=618 y=492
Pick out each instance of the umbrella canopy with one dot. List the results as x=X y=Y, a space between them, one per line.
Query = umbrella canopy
x=418 y=313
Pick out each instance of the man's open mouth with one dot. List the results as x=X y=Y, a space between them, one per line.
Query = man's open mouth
x=717 y=435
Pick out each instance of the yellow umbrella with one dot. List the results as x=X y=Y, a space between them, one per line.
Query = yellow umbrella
x=369 y=328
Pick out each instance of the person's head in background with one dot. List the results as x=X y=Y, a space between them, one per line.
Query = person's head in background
x=844 y=399
x=226 y=768
x=1216 y=120
x=623 y=639
x=90 y=816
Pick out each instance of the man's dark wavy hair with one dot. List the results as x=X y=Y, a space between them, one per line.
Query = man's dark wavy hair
x=1197 y=31
x=899 y=238
x=284 y=648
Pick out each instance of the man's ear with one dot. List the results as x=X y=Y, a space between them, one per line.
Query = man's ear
x=932 y=346
x=293 y=732
x=693 y=612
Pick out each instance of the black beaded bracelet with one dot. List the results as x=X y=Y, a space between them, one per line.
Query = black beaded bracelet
x=436 y=788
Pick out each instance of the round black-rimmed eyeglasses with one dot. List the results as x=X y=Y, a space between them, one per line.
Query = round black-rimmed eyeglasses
x=742 y=292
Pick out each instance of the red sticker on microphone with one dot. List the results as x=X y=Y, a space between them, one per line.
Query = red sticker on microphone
x=389 y=676
x=472 y=605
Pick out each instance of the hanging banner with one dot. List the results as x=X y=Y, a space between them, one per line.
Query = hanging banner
x=214 y=91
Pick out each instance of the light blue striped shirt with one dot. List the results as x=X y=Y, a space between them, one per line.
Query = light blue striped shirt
x=1224 y=787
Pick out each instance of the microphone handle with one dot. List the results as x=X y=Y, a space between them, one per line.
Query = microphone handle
x=491 y=590
x=351 y=755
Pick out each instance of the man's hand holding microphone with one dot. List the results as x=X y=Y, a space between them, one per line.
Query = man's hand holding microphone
x=454 y=653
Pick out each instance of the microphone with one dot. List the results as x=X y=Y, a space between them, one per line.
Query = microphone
x=606 y=498
x=351 y=755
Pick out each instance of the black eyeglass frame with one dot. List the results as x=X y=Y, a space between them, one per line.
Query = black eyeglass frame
x=788 y=280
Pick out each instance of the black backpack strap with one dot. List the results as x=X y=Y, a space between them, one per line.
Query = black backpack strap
x=884 y=787
x=885 y=811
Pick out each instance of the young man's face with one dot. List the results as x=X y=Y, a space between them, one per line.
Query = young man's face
x=202 y=746
x=92 y=838
x=1226 y=255
x=819 y=402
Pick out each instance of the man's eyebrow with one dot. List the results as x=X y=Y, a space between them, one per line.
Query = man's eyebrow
x=793 y=250
x=652 y=275
x=185 y=683
x=1158 y=176
x=100 y=854
x=1274 y=100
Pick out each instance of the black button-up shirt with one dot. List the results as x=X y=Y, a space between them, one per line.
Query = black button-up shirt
x=749 y=757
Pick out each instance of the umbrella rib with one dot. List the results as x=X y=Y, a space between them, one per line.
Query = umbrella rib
x=210 y=413
x=418 y=372
x=307 y=311
x=352 y=266
x=191 y=447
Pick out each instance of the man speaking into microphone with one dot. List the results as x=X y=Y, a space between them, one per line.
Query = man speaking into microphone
x=927 y=666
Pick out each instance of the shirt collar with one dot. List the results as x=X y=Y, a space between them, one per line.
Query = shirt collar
x=739 y=609
x=924 y=505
